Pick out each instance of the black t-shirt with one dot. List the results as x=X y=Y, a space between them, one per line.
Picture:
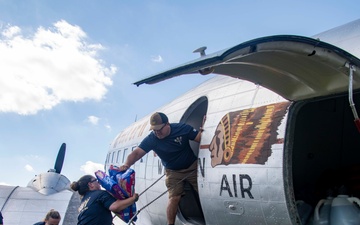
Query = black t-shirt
x=174 y=150
x=94 y=208
x=1 y=218
x=40 y=223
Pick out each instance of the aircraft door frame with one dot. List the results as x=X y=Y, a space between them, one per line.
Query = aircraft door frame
x=190 y=205
x=194 y=116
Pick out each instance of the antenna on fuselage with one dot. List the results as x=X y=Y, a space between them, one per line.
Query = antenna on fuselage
x=201 y=50
x=207 y=70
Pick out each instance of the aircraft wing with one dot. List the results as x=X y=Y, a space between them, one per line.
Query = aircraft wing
x=295 y=67
x=50 y=190
x=23 y=205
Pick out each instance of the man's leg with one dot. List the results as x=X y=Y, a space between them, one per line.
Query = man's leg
x=192 y=178
x=172 y=208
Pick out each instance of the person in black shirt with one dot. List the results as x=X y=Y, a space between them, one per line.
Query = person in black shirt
x=1 y=219
x=96 y=204
x=52 y=218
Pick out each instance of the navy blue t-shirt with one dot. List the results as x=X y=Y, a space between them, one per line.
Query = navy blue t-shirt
x=174 y=150
x=94 y=208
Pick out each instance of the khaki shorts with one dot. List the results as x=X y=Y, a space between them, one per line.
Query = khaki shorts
x=173 y=179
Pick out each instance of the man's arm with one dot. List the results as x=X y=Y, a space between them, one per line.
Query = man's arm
x=134 y=156
x=198 y=136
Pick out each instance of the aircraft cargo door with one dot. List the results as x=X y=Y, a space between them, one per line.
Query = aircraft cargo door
x=190 y=206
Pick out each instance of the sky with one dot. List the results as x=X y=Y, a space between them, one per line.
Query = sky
x=67 y=67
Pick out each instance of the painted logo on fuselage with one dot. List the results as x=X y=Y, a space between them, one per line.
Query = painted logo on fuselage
x=246 y=136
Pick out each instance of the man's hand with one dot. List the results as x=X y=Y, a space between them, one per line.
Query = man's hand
x=136 y=197
x=124 y=167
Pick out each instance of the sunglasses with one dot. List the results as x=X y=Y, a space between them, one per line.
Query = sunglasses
x=94 y=181
x=160 y=130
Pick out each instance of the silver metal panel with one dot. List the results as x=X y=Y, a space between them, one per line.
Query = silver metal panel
x=5 y=193
x=49 y=183
x=344 y=37
x=268 y=205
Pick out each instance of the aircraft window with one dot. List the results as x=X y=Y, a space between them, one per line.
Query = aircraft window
x=118 y=156
x=125 y=154
x=112 y=157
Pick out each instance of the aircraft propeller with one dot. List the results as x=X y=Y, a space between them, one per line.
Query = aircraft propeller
x=60 y=158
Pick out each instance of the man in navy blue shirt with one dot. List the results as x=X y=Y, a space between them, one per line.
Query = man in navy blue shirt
x=171 y=143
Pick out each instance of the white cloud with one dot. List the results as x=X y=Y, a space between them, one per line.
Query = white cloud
x=93 y=120
x=54 y=65
x=91 y=167
x=157 y=59
x=3 y=183
x=108 y=127
x=29 y=168
x=11 y=31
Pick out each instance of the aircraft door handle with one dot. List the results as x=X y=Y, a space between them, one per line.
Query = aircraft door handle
x=234 y=207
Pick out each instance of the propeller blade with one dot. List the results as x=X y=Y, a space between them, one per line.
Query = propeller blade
x=60 y=158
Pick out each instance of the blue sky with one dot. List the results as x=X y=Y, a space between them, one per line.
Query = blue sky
x=67 y=67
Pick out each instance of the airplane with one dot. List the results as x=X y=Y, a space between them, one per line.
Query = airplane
x=281 y=132
x=50 y=190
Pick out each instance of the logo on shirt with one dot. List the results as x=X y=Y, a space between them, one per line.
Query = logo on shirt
x=83 y=205
x=178 y=140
